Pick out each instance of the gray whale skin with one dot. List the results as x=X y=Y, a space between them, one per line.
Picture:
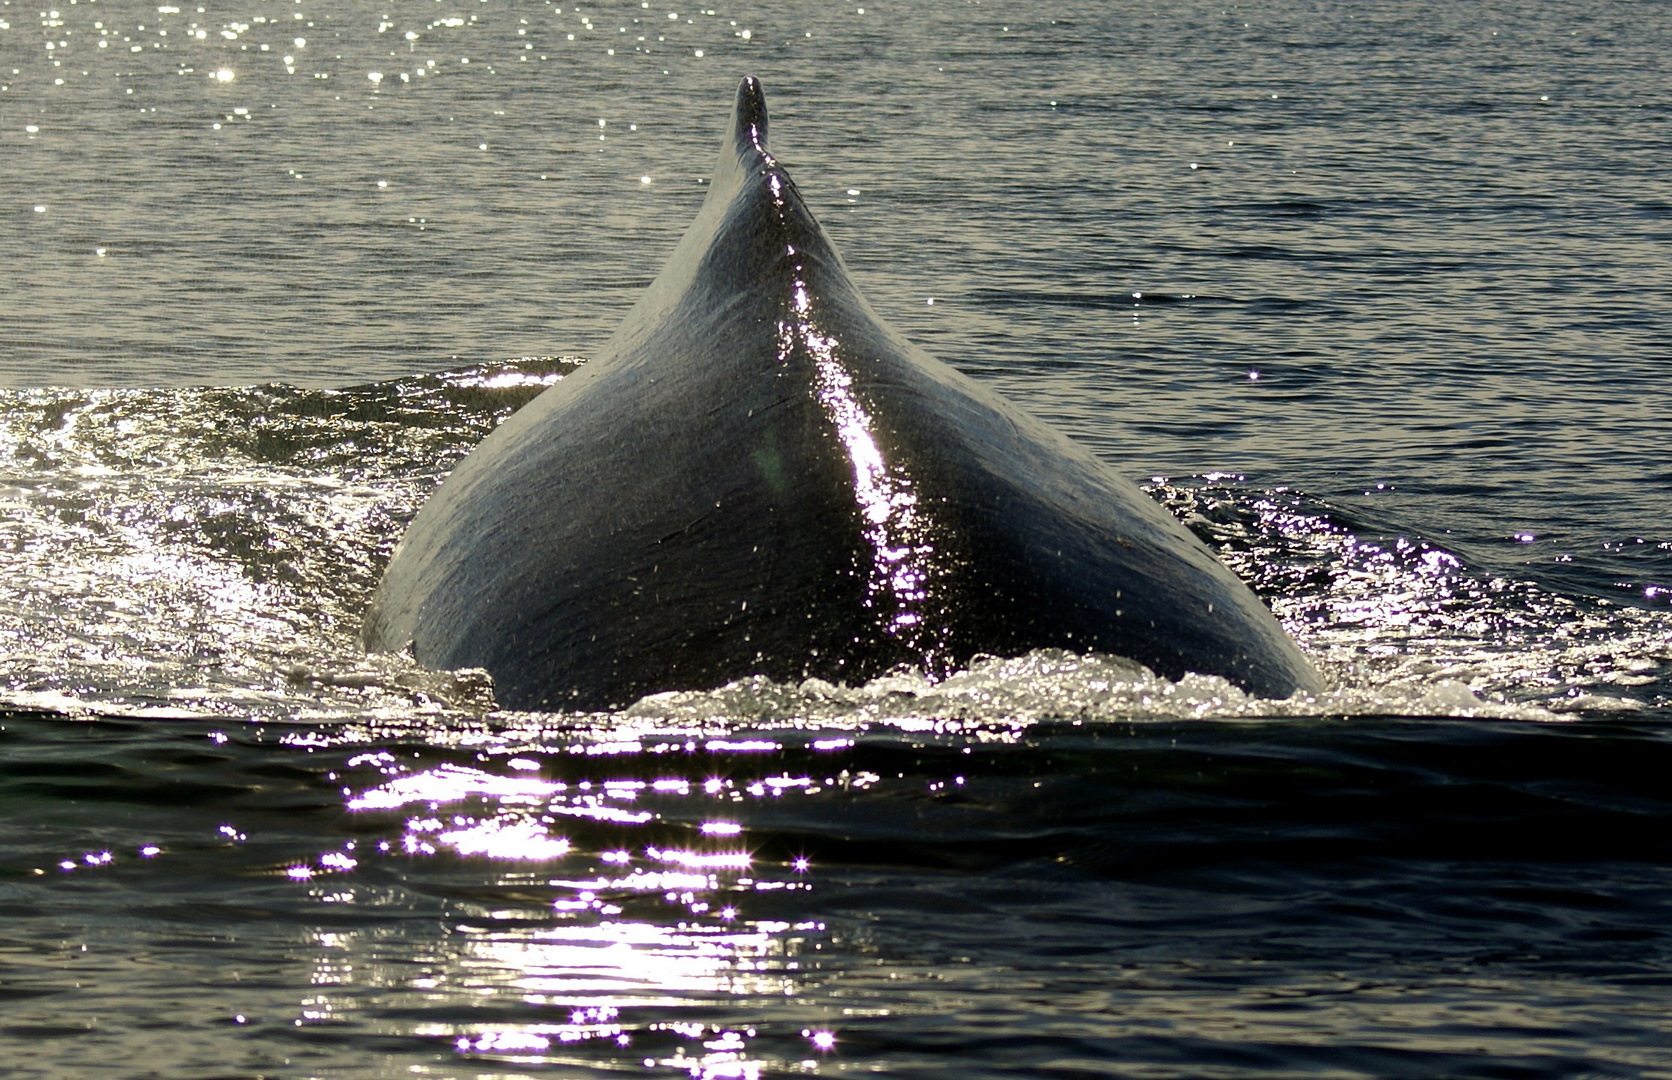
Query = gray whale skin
x=757 y=476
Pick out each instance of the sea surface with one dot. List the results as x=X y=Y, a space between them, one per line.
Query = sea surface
x=1376 y=296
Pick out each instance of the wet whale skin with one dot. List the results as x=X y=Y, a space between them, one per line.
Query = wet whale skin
x=758 y=476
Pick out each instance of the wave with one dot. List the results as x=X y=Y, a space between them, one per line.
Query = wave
x=208 y=552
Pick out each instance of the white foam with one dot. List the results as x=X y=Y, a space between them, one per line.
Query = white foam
x=1053 y=685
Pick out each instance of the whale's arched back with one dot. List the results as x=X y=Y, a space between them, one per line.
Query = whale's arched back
x=758 y=476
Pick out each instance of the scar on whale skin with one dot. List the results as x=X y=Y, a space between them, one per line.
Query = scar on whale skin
x=756 y=475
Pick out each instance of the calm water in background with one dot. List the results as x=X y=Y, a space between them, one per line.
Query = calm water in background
x=1376 y=294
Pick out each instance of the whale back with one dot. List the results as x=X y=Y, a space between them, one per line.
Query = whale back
x=757 y=476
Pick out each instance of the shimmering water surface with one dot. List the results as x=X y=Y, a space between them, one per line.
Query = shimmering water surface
x=1373 y=295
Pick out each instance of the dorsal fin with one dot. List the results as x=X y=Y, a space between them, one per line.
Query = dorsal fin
x=749 y=117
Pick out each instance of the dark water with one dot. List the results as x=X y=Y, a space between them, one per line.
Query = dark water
x=1375 y=295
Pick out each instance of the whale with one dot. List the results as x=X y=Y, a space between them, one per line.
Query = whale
x=757 y=476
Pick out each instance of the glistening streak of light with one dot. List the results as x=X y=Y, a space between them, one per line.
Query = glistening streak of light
x=519 y=840
x=450 y=783
x=885 y=495
x=640 y=881
x=734 y=860
x=899 y=573
x=740 y=746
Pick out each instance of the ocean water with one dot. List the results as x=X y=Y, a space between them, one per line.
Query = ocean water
x=1374 y=296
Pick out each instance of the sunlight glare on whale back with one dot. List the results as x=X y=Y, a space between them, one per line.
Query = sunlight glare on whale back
x=900 y=573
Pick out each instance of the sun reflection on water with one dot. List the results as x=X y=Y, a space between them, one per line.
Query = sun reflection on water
x=580 y=944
